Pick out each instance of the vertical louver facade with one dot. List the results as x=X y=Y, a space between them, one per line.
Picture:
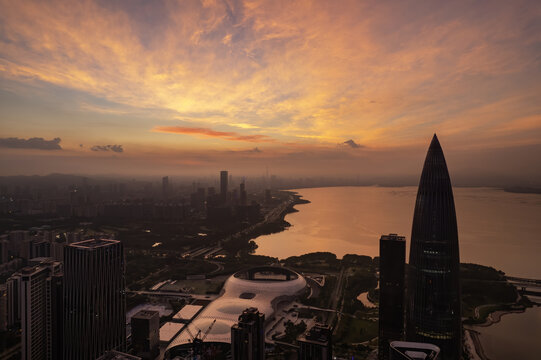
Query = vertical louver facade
x=95 y=304
x=433 y=291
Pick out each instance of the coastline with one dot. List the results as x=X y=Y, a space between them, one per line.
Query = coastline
x=472 y=331
x=278 y=223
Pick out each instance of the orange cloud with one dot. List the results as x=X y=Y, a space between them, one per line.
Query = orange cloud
x=226 y=135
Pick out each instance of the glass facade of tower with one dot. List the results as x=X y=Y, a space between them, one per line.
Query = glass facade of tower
x=433 y=291
x=95 y=302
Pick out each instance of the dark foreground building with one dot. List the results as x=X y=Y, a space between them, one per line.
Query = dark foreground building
x=95 y=303
x=316 y=344
x=392 y=262
x=433 y=291
x=248 y=336
x=145 y=334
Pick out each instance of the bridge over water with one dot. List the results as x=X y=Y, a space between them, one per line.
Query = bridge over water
x=526 y=286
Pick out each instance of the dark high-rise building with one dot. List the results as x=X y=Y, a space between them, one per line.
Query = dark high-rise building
x=433 y=290
x=165 y=187
x=14 y=299
x=392 y=262
x=95 y=303
x=145 y=334
x=223 y=185
x=316 y=344
x=243 y=195
x=3 y=307
x=248 y=336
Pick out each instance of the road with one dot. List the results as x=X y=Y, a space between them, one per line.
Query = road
x=173 y=294
x=336 y=296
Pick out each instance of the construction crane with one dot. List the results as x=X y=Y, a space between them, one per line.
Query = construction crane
x=197 y=341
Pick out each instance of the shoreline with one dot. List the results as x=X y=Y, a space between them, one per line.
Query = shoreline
x=278 y=223
x=492 y=318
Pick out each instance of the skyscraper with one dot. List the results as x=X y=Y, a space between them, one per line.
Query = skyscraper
x=14 y=299
x=316 y=344
x=145 y=334
x=248 y=337
x=224 y=178
x=392 y=262
x=3 y=307
x=165 y=187
x=433 y=291
x=95 y=302
x=243 y=195
x=41 y=310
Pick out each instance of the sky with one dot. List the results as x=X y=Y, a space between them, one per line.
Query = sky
x=299 y=87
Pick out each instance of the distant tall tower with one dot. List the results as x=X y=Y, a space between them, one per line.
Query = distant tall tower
x=165 y=187
x=243 y=195
x=41 y=311
x=248 y=336
x=95 y=302
x=433 y=291
x=316 y=344
x=224 y=178
x=392 y=262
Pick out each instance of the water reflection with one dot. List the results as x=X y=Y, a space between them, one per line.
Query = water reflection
x=496 y=228
x=500 y=341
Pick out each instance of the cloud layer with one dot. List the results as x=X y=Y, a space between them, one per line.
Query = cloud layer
x=31 y=143
x=113 y=148
x=226 y=135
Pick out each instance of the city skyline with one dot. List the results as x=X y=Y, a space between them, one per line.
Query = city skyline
x=296 y=86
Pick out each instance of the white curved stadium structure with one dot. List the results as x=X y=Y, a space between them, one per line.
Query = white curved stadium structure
x=261 y=287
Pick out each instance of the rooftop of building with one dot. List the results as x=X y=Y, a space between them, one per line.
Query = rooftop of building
x=187 y=312
x=393 y=237
x=242 y=291
x=169 y=330
x=146 y=314
x=93 y=243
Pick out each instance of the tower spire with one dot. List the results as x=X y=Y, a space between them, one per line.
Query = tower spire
x=433 y=292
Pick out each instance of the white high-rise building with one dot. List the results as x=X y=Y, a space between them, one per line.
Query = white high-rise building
x=41 y=310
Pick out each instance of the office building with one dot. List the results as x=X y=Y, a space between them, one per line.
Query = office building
x=316 y=344
x=433 y=289
x=165 y=187
x=4 y=253
x=95 y=302
x=3 y=307
x=13 y=285
x=145 y=334
x=392 y=262
x=404 y=350
x=41 y=311
x=223 y=185
x=248 y=336
x=243 y=195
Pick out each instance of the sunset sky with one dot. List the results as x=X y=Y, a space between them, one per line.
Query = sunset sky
x=302 y=87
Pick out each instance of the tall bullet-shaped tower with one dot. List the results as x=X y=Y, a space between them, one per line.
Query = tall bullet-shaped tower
x=433 y=291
